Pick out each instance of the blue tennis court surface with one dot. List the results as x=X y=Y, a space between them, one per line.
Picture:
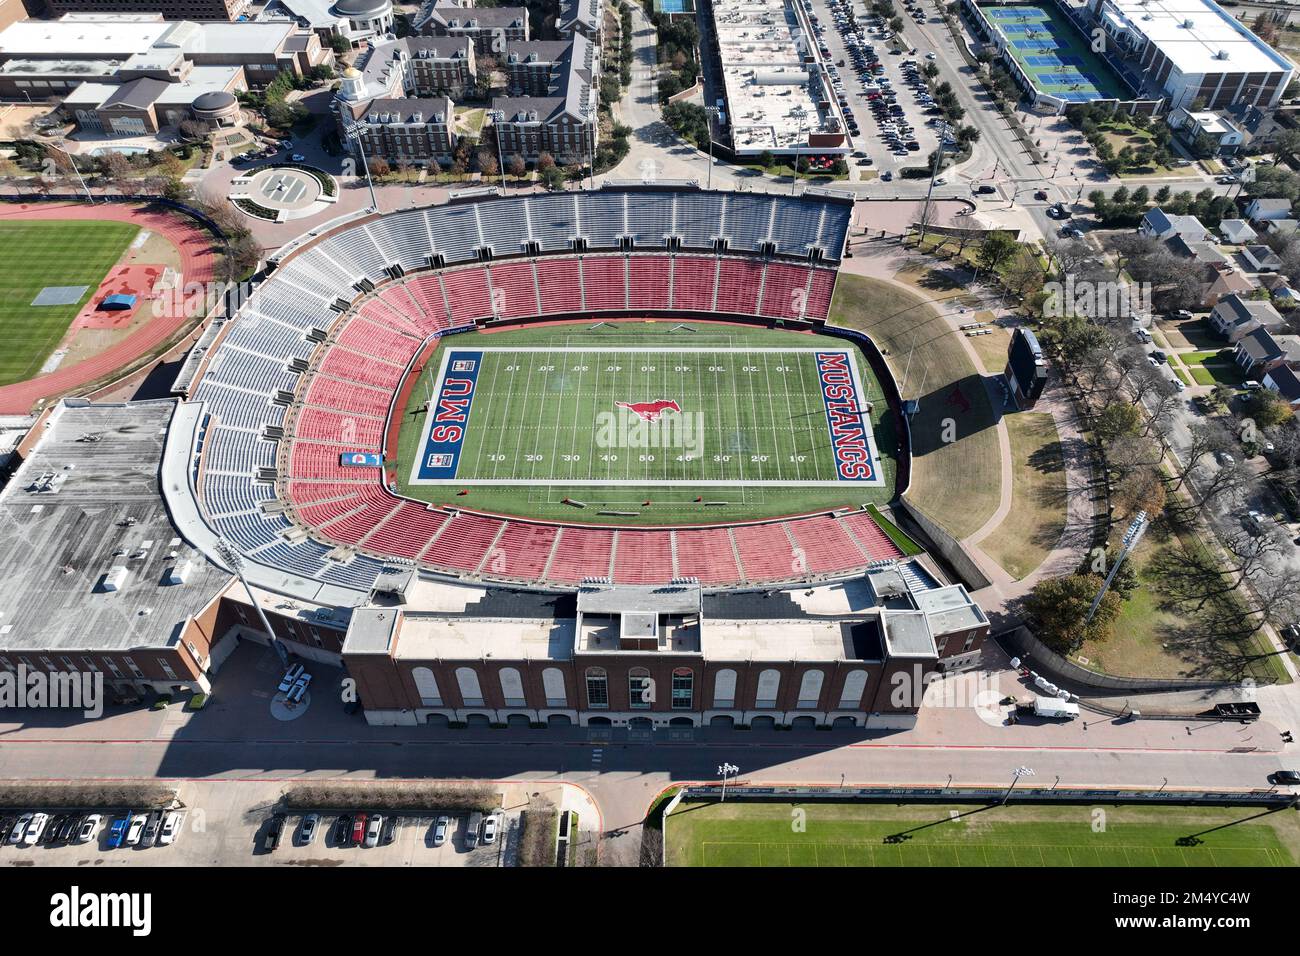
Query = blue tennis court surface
x=1053 y=54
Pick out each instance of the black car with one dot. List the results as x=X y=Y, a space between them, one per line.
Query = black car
x=342 y=827
x=1285 y=778
x=273 y=830
x=68 y=828
x=390 y=830
x=50 y=833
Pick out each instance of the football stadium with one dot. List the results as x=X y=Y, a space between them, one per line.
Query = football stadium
x=506 y=459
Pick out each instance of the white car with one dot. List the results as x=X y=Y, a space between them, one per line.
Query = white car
x=290 y=676
x=35 y=828
x=931 y=56
x=298 y=158
x=1256 y=521
x=490 y=823
x=89 y=827
x=136 y=829
x=307 y=832
x=171 y=828
x=440 y=830
x=374 y=826
x=20 y=828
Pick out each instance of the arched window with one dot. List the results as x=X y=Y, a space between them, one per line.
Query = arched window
x=426 y=685
x=470 y=692
x=683 y=688
x=854 y=685
x=640 y=689
x=512 y=687
x=810 y=688
x=724 y=688
x=597 y=688
x=769 y=684
x=553 y=686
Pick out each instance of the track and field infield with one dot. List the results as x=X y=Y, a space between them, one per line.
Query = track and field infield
x=764 y=834
x=38 y=254
x=708 y=422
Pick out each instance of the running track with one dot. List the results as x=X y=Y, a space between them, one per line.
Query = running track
x=197 y=265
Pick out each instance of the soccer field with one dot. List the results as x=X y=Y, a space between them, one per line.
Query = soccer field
x=753 y=421
x=34 y=255
x=817 y=834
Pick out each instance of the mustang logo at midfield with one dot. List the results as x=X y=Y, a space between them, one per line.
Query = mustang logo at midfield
x=650 y=411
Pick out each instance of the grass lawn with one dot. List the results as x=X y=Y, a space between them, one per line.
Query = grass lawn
x=48 y=253
x=956 y=482
x=1037 y=517
x=1195 y=334
x=1159 y=635
x=853 y=834
x=1216 y=374
x=991 y=348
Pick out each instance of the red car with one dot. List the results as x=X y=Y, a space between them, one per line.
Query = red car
x=359 y=829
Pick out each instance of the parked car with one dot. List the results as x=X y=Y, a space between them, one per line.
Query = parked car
x=1255 y=521
x=171 y=828
x=1285 y=778
x=50 y=835
x=490 y=824
x=441 y=830
x=298 y=158
x=390 y=830
x=374 y=828
x=117 y=832
x=290 y=676
x=273 y=831
x=151 y=827
x=342 y=827
x=307 y=831
x=87 y=828
x=359 y=829
x=1181 y=315
x=136 y=828
x=36 y=824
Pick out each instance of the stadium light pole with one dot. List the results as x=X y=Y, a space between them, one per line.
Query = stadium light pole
x=1015 y=779
x=944 y=130
x=725 y=769
x=354 y=130
x=90 y=198
x=794 y=180
x=1132 y=536
x=591 y=114
x=498 y=116
x=235 y=561
x=711 y=111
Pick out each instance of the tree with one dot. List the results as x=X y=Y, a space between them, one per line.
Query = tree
x=1266 y=407
x=545 y=161
x=517 y=166
x=1059 y=608
x=1117 y=421
x=996 y=249
x=378 y=166
x=487 y=163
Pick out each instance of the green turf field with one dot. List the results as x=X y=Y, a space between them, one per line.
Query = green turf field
x=34 y=255
x=749 y=432
x=764 y=834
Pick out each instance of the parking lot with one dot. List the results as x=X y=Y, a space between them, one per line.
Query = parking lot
x=881 y=91
x=216 y=834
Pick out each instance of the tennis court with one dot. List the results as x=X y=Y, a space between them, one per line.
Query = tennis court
x=1054 y=55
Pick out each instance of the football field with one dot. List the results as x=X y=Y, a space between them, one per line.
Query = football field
x=35 y=255
x=871 y=834
x=648 y=419
x=654 y=415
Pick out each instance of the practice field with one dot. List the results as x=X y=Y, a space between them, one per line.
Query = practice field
x=752 y=421
x=1054 y=54
x=38 y=254
x=817 y=834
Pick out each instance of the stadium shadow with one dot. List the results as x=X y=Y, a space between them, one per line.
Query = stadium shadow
x=956 y=411
x=237 y=735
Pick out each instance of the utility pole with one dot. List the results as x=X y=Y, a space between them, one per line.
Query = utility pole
x=723 y=770
x=711 y=111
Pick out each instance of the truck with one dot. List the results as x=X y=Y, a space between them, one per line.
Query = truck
x=1055 y=708
x=472 y=829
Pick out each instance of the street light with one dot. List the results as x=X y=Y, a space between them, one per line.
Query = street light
x=591 y=115
x=1015 y=779
x=498 y=116
x=235 y=561
x=803 y=115
x=354 y=130
x=723 y=770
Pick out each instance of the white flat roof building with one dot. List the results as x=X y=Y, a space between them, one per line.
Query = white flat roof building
x=1193 y=50
x=774 y=85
